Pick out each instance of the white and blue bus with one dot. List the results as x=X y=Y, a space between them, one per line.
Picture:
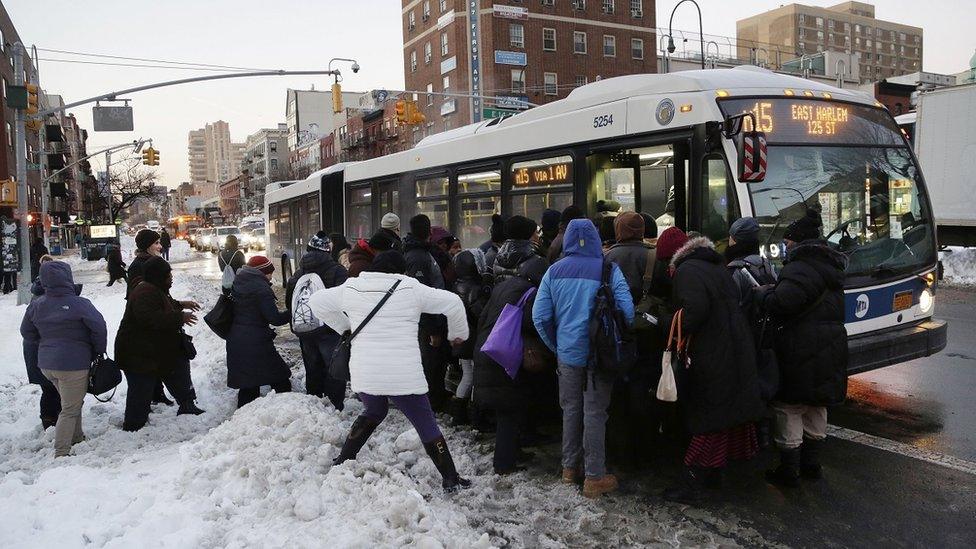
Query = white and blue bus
x=662 y=144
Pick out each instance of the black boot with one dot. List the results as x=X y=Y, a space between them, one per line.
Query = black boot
x=441 y=456
x=689 y=487
x=714 y=478
x=132 y=427
x=788 y=472
x=458 y=409
x=810 y=467
x=48 y=422
x=360 y=432
x=159 y=395
x=189 y=408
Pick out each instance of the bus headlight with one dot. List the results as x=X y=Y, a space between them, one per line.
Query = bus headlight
x=926 y=300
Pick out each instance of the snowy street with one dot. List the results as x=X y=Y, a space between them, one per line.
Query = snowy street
x=262 y=476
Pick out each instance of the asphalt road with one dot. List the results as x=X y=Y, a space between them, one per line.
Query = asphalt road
x=902 y=496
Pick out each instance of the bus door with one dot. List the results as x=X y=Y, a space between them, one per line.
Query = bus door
x=649 y=178
x=332 y=216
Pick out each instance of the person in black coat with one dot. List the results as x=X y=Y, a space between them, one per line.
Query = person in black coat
x=811 y=348
x=166 y=243
x=317 y=346
x=473 y=285
x=719 y=390
x=517 y=269
x=150 y=346
x=434 y=348
x=252 y=360
x=37 y=250
x=116 y=266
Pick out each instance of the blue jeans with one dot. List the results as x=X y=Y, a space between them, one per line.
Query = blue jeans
x=584 y=419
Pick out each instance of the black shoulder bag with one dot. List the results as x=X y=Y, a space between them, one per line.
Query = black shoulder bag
x=103 y=376
x=339 y=369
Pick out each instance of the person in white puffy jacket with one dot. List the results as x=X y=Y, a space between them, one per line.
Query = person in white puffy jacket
x=384 y=361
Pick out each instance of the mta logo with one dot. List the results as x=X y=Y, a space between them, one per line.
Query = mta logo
x=862 y=305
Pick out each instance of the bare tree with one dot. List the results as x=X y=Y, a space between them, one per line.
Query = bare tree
x=128 y=183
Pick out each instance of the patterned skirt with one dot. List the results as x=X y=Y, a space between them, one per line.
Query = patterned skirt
x=716 y=449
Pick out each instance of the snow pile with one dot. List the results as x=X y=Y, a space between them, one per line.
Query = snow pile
x=262 y=476
x=959 y=264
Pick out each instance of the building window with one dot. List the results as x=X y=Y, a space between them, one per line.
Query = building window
x=607 y=6
x=857 y=28
x=413 y=61
x=430 y=97
x=609 y=46
x=443 y=43
x=551 y=82
x=819 y=21
x=901 y=37
x=820 y=36
x=443 y=5
x=446 y=83
x=274 y=163
x=518 y=81
x=548 y=2
x=637 y=48
x=427 y=53
x=273 y=145
x=10 y=136
x=636 y=8
x=426 y=15
x=580 y=81
x=830 y=24
x=579 y=5
x=847 y=27
x=579 y=42
x=516 y=35
x=411 y=21
x=868 y=43
x=549 y=39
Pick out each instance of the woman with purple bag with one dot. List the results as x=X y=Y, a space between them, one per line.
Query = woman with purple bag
x=506 y=337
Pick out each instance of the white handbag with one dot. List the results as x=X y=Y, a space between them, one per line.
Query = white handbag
x=667 y=389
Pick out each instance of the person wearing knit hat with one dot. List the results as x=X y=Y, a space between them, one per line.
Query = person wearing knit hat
x=630 y=253
x=390 y=262
x=420 y=227
x=569 y=213
x=319 y=242
x=146 y=238
x=650 y=228
x=747 y=266
x=391 y=221
x=381 y=241
x=252 y=360
x=147 y=246
x=804 y=228
x=262 y=264
x=519 y=227
x=669 y=242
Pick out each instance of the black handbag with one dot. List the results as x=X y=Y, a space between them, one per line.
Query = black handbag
x=339 y=368
x=220 y=318
x=103 y=376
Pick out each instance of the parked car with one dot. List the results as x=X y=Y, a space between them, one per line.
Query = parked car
x=204 y=238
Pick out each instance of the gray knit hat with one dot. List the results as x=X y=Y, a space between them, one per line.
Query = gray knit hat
x=391 y=221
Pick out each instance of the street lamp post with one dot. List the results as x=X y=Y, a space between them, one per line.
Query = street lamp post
x=701 y=30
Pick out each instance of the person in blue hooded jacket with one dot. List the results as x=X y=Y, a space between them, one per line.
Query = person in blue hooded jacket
x=62 y=334
x=561 y=314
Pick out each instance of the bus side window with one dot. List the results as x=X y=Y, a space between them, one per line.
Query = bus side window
x=719 y=207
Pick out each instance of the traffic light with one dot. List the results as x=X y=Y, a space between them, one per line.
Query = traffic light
x=401 y=112
x=31 y=99
x=416 y=117
x=336 y=98
x=150 y=157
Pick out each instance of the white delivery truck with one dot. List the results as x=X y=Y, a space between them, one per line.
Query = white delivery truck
x=943 y=134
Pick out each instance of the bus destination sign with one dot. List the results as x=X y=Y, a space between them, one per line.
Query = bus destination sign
x=552 y=174
x=810 y=121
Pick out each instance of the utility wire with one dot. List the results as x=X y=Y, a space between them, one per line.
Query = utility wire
x=68 y=52
x=139 y=65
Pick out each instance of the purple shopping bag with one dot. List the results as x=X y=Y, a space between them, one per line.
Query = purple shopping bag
x=504 y=343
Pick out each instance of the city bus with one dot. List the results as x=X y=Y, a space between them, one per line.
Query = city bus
x=671 y=145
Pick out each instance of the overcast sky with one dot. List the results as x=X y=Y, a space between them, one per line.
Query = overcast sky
x=305 y=34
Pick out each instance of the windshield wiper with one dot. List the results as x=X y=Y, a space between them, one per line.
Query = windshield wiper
x=882 y=271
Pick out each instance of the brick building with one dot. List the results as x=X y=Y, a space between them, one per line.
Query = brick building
x=523 y=51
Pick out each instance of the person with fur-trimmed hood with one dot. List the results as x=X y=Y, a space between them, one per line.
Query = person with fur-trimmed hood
x=811 y=348
x=719 y=395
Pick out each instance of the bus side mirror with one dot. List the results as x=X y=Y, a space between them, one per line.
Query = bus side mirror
x=752 y=156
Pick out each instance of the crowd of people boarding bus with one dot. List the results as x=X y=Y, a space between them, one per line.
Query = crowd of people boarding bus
x=622 y=336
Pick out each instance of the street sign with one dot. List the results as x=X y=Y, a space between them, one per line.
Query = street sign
x=514 y=102
x=33 y=166
x=517 y=58
x=112 y=119
x=489 y=112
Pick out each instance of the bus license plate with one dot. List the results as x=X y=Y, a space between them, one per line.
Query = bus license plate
x=903 y=300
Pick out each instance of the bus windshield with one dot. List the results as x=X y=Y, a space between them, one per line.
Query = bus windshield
x=852 y=168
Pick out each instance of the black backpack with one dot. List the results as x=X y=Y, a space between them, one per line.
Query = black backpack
x=613 y=350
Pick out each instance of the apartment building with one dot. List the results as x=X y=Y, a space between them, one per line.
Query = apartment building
x=213 y=157
x=522 y=52
x=265 y=161
x=884 y=48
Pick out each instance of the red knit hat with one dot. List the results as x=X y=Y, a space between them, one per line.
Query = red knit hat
x=670 y=241
x=261 y=263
